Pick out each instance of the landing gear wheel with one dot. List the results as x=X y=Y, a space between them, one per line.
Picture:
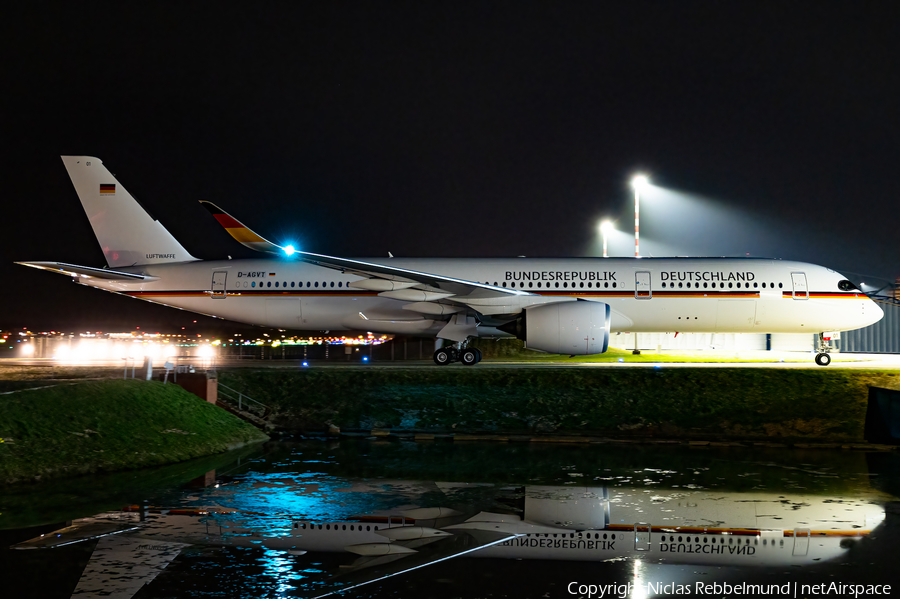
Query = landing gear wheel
x=823 y=359
x=441 y=357
x=478 y=352
x=469 y=357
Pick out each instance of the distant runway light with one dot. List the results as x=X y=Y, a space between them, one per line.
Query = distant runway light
x=365 y=358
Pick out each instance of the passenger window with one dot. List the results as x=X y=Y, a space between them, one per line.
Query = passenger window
x=269 y=284
x=317 y=283
x=614 y=285
x=340 y=283
x=253 y=284
x=539 y=284
x=589 y=284
x=780 y=285
x=705 y=284
x=581 y=285
x=332 y=283
x=529 y=285
x=557 y=285
x=504 y=283
x=729 y=285
x=679 y=285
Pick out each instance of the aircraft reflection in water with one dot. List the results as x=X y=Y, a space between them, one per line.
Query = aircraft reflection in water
x=543 y=522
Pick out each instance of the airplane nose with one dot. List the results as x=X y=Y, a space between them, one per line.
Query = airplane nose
x=873 y=312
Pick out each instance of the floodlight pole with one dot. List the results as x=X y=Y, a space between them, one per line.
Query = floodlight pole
x=637 y=211
x=637 y=182
x=605 y=226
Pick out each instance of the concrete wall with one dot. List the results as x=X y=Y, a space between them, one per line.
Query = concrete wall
x=720 y=341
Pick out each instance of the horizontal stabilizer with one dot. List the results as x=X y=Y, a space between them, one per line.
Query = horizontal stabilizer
x=80 y=530
x=88 y=272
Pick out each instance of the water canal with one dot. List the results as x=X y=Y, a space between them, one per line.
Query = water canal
x=666 y=519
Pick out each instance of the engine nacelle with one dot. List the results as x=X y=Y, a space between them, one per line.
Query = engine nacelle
x=579 y=328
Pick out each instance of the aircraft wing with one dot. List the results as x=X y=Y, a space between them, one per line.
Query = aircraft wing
x=366 y=571
x=73 y=270
x=400 y=277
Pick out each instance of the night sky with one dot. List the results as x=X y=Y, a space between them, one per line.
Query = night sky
x=450 y=129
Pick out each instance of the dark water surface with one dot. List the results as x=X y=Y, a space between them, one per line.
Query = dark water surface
x=326 y=481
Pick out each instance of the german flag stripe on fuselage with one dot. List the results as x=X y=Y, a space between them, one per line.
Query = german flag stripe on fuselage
x=595 y=294
x=694 y=530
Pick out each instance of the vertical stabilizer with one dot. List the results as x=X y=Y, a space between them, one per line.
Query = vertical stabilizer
x=128 y=235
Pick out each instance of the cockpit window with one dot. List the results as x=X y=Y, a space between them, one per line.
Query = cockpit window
x=846 y=285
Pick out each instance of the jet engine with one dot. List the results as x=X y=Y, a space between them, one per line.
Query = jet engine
x=575 y=328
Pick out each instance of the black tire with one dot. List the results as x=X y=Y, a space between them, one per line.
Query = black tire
x=478 y=352
x=469 y=357
x=823 y=359
x=441 y=357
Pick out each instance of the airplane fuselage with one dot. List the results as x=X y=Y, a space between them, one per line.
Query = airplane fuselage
x=705 y=295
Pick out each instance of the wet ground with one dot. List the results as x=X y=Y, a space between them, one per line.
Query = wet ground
x=321 y=481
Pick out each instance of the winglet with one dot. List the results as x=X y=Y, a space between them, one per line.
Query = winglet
x=241 y=233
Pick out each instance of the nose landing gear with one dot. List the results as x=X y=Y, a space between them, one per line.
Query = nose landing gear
x=824 y=346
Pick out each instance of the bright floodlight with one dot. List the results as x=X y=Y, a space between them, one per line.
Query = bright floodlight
x=640 y=181
x=289 y=250
x=606 y=227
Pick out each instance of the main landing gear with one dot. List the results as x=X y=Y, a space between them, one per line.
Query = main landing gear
x=822 y=357
x=468 y=357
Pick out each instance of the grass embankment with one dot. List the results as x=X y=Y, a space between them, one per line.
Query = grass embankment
x=726 y=403
x=110 y=425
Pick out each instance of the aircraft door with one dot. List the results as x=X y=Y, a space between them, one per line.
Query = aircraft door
x=642 y=537
x=801 y=291
x=801 y=541
x=218 y=284
x=642 y=285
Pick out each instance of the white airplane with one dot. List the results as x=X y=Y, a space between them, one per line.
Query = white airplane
x=557 y=305
x=677 y=526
